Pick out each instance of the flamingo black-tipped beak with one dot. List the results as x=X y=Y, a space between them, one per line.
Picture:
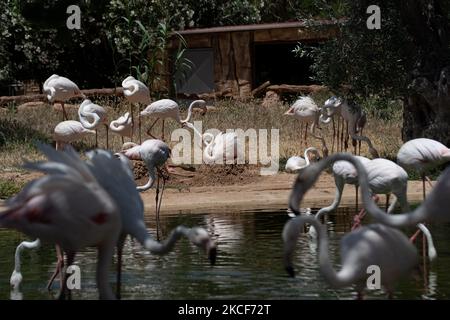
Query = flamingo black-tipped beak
x=212 y=253
x=290 y=270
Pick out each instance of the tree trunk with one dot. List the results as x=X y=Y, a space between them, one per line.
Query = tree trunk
x=427 y=107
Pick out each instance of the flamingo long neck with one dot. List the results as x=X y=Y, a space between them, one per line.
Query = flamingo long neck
x=324 y=145
x=151 y=179
x=337 y=199
x=167 y=245
x=313 y=172
x=83 y=118
x=353 y=134
x=23 y=245
x=431 y=249
x=191 y=106
x=341 y=279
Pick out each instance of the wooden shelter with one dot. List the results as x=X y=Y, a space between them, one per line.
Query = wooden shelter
x=236 y=60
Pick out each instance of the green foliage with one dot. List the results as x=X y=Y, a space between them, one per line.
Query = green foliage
x=378 y=63
x=8 y=188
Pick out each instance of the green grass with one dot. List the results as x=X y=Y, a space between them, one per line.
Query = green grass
x=8 y=188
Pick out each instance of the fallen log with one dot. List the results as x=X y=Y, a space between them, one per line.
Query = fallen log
x=260 y=89
x=289 y=88
x=42 y=97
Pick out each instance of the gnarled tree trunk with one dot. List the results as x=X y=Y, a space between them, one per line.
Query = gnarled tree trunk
x=427 y=107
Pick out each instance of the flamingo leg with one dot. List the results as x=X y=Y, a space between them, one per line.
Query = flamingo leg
x=301 y=140
x=64 y=290
x=334 y=135
x=423 y=186
x=162 y=135
x=387 y=201
x=65 y=117
x=356 y=197
x=107 y=136
x=150 y=129
x=139 y=125
x=156 y=207
x=123 y=140
x=119 y=270
x=346 y=136
x=132 y=121
x=96 y=138
x=414 y=236
x=359 y=143
x=306 y=135
x=58 y=269
x=429 y=181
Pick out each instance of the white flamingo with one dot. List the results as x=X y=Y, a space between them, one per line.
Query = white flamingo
x=295 y=163
x=384 y=177
x=59 y=89
x=116 y=177
x=137 y=92
x=435 y=208
x=306 y=110
x=353 y=115
x=69 y=131
x=422 y=155
x=52 y=208
x=92 y=116
x=375 y=244
x=166 y=108
x=122 y=126
x=16 y=276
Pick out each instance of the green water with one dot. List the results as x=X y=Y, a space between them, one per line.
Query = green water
x=249 y=264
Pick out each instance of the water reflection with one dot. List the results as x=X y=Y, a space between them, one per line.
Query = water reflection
x=249 y=264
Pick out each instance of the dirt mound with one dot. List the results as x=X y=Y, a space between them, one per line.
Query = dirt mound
x=202 y=175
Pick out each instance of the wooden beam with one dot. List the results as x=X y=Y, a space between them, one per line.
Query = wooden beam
x=260 y=89
x=42 y=97
x=289 y=88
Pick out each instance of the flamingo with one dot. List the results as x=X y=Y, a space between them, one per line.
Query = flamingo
x=116 y=177
x=122 y=126
x=16 y=276
x=155 y=154
x=135 y=91
x=353 y=115
x=88 y=112
x=166 y=108
x=384 y=177
x=59 y=89
x=435 y=208
x=375 y=244
x=69 y=131
x=52 y=208
x=221 y=147
x=421 y=155
x=295 y=163
x=306 y=110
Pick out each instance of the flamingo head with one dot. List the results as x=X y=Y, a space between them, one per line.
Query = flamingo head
x=200 y=237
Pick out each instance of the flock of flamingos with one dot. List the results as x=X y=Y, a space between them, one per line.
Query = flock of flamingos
x=51 y=208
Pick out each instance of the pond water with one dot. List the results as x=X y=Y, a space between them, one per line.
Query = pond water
x=249 y=263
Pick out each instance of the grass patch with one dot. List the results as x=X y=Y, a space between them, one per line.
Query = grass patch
x=8 y=188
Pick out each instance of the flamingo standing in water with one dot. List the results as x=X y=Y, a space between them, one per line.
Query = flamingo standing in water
x=116 y=177
x=166 y=108
x=355 y=118
x=53 y=209
x=375 y=244
x=122 y=126
x=435 y=208
x=68 y=131
x=155 y=154
x=294 y=164
x=91 y=116
x=137 y=92
x=59 y=89
x=307 y=111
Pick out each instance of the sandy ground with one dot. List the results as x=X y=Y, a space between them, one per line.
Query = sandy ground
x=267 y=193
x=206 y=189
